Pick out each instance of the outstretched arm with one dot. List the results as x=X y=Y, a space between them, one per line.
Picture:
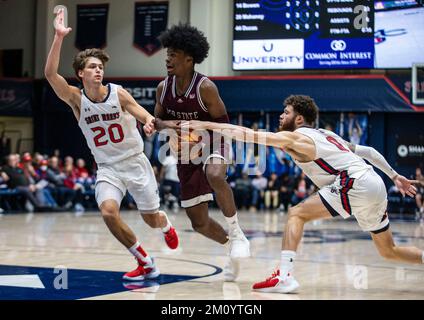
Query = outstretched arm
x=374 y=157
x=64 y=91
x=299 y=143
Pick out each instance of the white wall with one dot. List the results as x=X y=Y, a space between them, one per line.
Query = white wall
x=28 y=24
x=214 y=18
x=17 y=20
x=126 y=60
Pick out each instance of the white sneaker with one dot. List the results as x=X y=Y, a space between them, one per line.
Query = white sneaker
x=239 y=245
x=277 y=284
x=231 y=270
x=231 y=291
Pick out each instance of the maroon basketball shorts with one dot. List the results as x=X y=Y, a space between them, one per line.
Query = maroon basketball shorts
x=195 y=187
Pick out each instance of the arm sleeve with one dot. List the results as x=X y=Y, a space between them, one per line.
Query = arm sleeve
x=376 y=159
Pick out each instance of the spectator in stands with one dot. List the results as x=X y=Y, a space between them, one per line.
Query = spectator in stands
x=38 y=157
x=354 y=129
x=3 y=184
x=300 y=190
x=419 y=198
x=42 y=182
x=64 y=196
x=28 y=168
x=44 y=195
x=83 y=175
x=169 y=183
x=286 y=191
x=16 y=179
x=272 y=196
x=242 y=191
x=259 y=184
x=18 y=159
x=287 y=167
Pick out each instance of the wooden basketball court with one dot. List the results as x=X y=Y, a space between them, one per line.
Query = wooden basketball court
x=65 y=256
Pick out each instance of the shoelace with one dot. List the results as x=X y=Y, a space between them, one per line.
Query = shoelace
x=274 y=274
x=236 y=234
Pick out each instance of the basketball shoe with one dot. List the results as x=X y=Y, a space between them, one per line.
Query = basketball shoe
x=171 y=238
x=277 y=284
x=231 y=270
x=142 y=272
x=239 y=245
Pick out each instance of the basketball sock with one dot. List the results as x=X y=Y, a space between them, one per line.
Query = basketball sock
x=422 y=257
x=232 y=221
x=286 y=263
x=168 y=223
x=138 y=252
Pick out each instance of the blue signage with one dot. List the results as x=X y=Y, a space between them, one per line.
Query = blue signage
x=338 y=53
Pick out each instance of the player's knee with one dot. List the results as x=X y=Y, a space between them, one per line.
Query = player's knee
x=215 y=178
x=109 y=212
x=295 y=214
x=199 y=226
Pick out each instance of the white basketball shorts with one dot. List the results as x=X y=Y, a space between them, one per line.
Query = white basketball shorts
x=364 y=197
x=134 y=174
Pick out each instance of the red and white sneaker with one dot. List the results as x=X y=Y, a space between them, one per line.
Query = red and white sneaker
x=278 y=284
x=171 y=238
x=142 y=272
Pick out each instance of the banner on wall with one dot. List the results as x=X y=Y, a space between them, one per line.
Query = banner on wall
x=151 y=18
x=409 y=150
x=143 y=91
x=91 y=25
x=404 y=83
x=16 y=98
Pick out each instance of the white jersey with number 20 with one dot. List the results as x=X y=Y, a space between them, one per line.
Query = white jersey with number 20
x=111 y=132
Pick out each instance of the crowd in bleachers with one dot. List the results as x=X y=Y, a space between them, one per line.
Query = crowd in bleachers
x=51 y=183
x=41 y=183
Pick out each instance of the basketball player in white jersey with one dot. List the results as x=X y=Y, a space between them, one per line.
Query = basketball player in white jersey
x=107 y=117
x=348 y=185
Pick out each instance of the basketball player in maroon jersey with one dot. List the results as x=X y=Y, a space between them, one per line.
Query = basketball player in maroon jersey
x=188 y=95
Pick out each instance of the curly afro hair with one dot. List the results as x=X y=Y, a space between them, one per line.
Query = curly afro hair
x=188 y=39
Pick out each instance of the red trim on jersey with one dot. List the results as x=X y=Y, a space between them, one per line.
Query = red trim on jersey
x=326 y=167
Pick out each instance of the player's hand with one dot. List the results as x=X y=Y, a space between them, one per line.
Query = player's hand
x=405 y=186
x=160 y=124
x=59 y=24
x=149 y=128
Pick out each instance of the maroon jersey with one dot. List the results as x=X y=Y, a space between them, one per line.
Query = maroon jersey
x=195 y=188
x=188 y=106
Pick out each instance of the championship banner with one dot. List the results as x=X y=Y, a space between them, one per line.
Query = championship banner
x=151 y=18
x=91 y=26
x=16 y=98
